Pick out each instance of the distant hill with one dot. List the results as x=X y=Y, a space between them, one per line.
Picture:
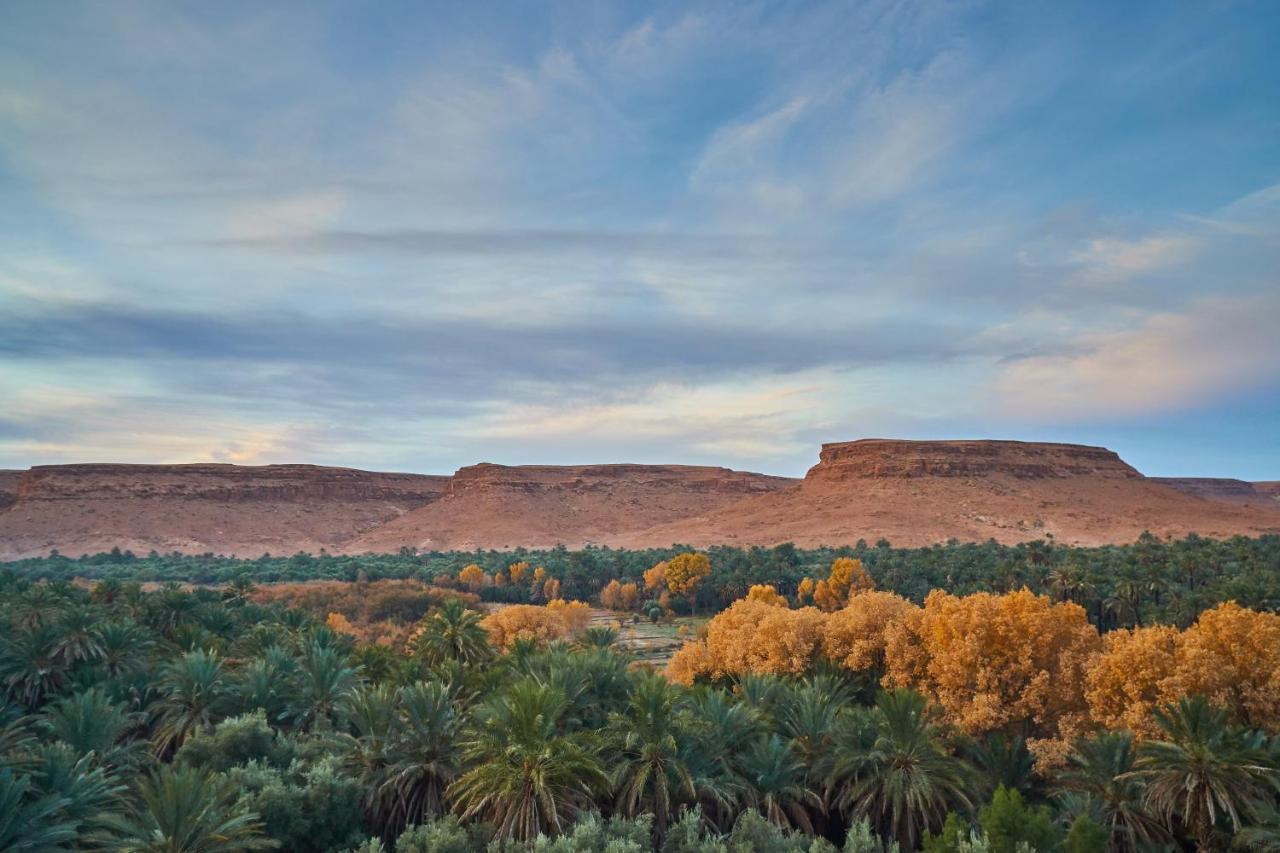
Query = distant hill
x=909 y=492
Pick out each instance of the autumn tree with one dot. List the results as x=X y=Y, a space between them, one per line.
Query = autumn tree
x=517 y=571
x=991 y=662
x=1132 y=678
x=1231 y=656
x=611 y=595
x=752 y=636
x=655 y=578
x=847 y=575
x=629 y=596
x=524 y=621
x=855 y=636
x=576 y=614
x=685 y=572
x=767 y=594
x=551 y=589
x=472 y=577
x=804 y=590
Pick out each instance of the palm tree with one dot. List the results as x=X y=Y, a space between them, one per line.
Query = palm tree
x=30 y=666
x=453 y=632
x=421 y=758
x=30 y=821
x=776 y=787
x=1100 y=768
x=904 y=781
x=196 y=695
x=325 y=685
x=719 y=728
x=1003 y=759
x=268 y=682
x=184 y=810
x=526 y=777
x=92 y=798
x=649 y=774
x=124 y=646
x=79 y=640
x=1204 y=771
x=89 y=722
x=599 y=637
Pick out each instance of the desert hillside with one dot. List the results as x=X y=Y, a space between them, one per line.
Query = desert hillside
x=498 y=506
x=227 y=509
x=909 y=492
x=921 y=492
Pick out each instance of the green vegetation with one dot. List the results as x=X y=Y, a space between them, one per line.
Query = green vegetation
x=220 y=719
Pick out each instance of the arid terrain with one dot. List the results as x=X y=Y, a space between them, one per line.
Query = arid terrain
x=909 y=492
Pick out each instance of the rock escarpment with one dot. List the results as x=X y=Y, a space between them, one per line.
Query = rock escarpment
x=878 y=458
x=1225 y=489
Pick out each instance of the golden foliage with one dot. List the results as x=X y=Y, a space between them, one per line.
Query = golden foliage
x=767 y=594
x=472 y=577
x=992 y=660
x=551 y=589
x=655 y=577
x=855 y=636
x=1231 y=655
x=540 y=624
x=752 y=636
x=611 y=595
x=630 y=593
x=576 y=614
x=499 y=579
x=847 y=576
x=685 y=571
x=516 y=571
x=1132 y=677
x=539 y=575
x=804 y=591
x=341 y=624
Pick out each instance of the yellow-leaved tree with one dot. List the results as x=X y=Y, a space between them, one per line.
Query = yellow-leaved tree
x=516 y=571
x=655 y=578
x=611 y=595
x=804 y=590
x=527 y=621
x=1133 y=677
x=847 y=575
x=766 y=593
x=685 y=572
x=1014 y=661
x=472 y=577
x=855 y=636
x=1231 y=655
x=576 y=614
x=752 y=636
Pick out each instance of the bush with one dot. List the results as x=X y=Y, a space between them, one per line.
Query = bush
x=234 y=743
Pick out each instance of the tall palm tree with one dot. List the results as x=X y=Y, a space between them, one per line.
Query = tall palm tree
x=719 y=728
x=125 y=645
x=526 y=776
x=92 y=797
x=776 y=786
x=184 y=810
x=905 y=780
x=1002 y=759
x=1204 y=771
x=453 y=632
x=30 y=666
x=1100 y=768
x=79 y=639
x=89 y=722
x=30 y=821
x=324 y=687
x=650 y=774
x=195 y=695
x=421 y=758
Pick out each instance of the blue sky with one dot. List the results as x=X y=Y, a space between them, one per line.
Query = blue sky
x=413 y=236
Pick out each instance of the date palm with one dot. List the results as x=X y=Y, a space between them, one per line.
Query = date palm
x=92 y=797
x=125 y=646
x=30 y=666
x=904 y=780
x=196 y=694
x=324 y=687
x=421 y=758
x=1204 y=771
x=453 y=632
x=776 y=787
x=650 y=774
x=29 y=820
x=526 y=776
x=1100 y=768
x=184 y=810
x=89 y=722
x=79 y=639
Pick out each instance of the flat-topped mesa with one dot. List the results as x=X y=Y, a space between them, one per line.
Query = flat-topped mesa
x=535 y=478
x=223 y=482
x=877 y=458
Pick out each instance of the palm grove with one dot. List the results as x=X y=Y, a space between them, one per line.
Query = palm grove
x=818 y=713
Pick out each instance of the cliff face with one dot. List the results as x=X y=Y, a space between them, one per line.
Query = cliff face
x=1224 y=489
x=238 y=483
x=9 y=488
x=884 y=459
x=226 y=509
x=499 y=506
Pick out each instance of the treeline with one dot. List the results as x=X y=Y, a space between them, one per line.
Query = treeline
x=1149 y=581
x=205 y=721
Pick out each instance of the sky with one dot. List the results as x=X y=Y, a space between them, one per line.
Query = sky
x=414 y=236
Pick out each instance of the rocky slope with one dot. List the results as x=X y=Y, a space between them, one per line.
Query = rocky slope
x=499 y=506
x=1225 y=489
x=922 y=492
x=226 y=509
x=909 y=492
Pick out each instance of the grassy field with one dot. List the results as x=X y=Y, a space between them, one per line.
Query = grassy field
x=651 y=643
